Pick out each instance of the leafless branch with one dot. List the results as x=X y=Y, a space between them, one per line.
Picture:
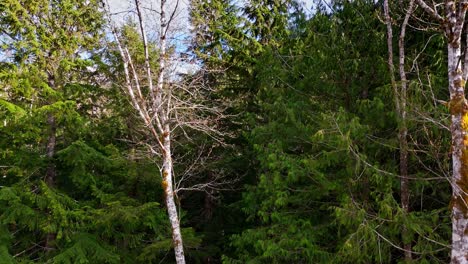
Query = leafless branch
x=431 y=11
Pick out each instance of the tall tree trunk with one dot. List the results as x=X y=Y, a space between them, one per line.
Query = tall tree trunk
x=400 y=107
x=169 y=196
x=403 y=131
x=51 y=172
x=208 y=206
x=453 y=23
x=459 y=127
x=155 y=112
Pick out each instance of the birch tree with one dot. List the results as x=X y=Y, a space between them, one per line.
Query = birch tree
x=452 y=21
x=166 y=106
x=155 y=114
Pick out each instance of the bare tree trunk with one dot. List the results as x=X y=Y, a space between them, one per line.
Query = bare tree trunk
x=403 y=130
x=155 y=110
x=167 y=175
x=458 y=110
x=453 y=23
x=208 y=206
x=400 y=107
x=164 y=116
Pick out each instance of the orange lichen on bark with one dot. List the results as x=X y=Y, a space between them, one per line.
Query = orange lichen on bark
x=457 y=105
x=465 y=121
x=461 y=200
x=164 y=184
x=459 y=83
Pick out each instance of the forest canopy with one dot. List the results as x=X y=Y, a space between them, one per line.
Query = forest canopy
x=223 y=131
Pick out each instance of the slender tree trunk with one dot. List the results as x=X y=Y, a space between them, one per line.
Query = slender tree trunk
x=164 y=115
x=400 y=107
x=208 y=206
x=403 y=130
x=169 y=196
x=50 y=151
x=155 y=112
x=51 y=172
x=162 y=56
x=51 y=141
x=404 y=188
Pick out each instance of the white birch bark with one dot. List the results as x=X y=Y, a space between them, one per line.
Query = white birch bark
x=455 y=12
x=162 y=114
x=162 y=57
x=458 y=108
x=155 y=114
x=169 y=196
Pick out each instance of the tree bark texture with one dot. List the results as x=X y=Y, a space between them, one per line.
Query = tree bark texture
x=459 y=127
x=453 y=23
x=167 y=175
x=400 y=97
x=459 y=116
x=403 y=131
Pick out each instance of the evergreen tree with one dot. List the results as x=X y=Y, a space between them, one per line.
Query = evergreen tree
x=310 y=146
x=68 y=193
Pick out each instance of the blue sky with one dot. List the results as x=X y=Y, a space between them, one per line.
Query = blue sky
x=122 y=5
x=181 y=27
